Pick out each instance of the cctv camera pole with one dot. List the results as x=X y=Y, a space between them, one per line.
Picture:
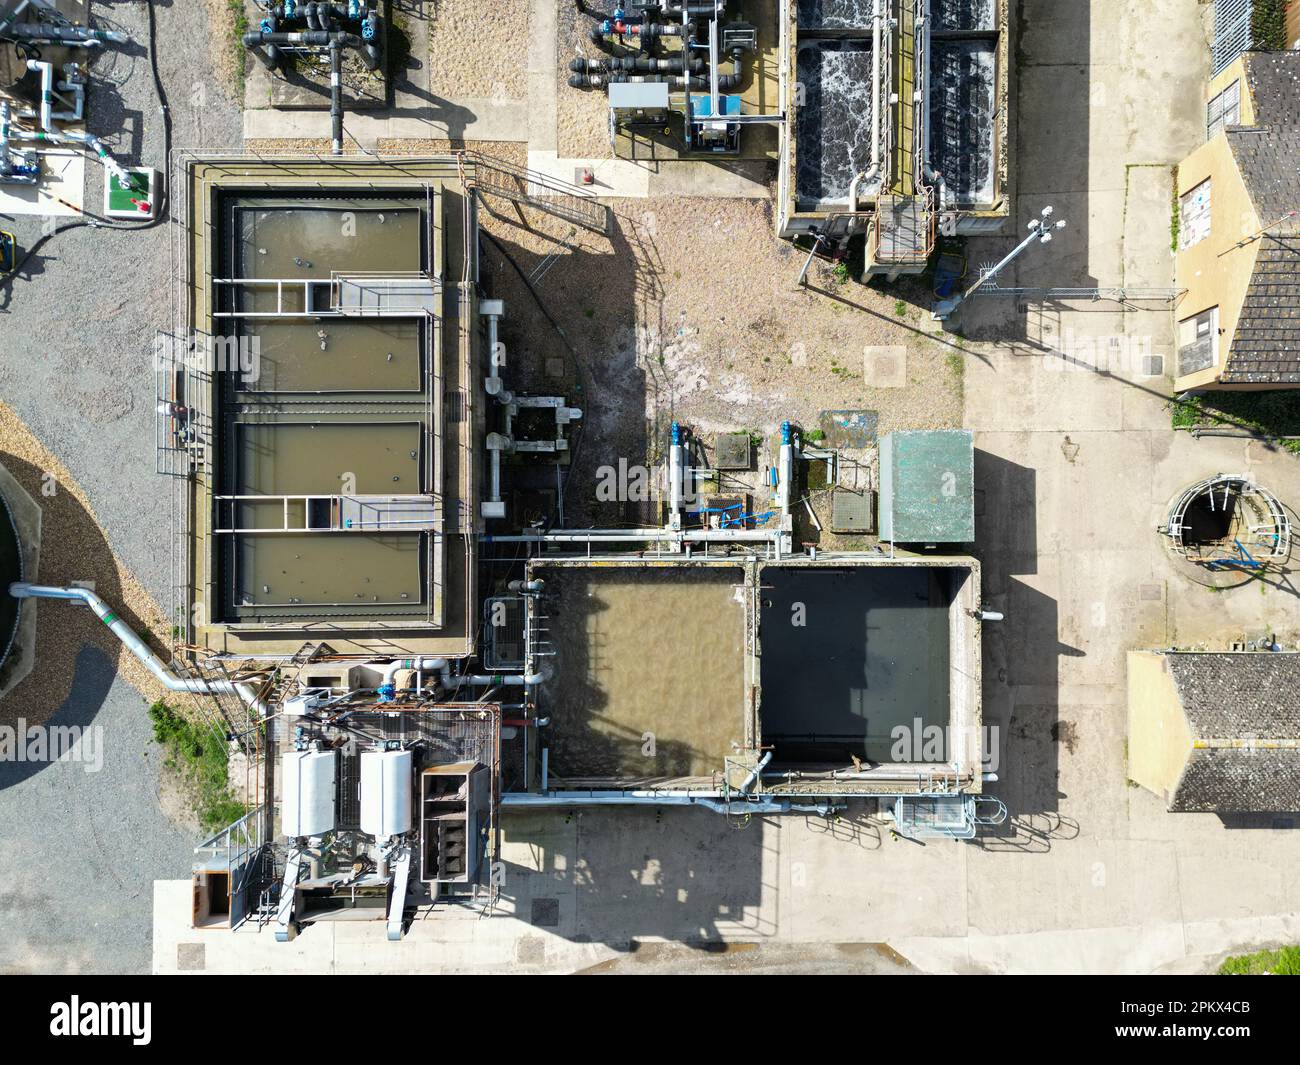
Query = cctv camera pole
x=1039 y=230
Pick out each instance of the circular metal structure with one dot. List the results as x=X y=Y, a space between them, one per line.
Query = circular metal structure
x=1227 y=522
x=11 y=569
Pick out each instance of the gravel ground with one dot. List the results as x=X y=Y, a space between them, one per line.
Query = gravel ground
x=690 y=311
x=477 y=49
x=582 y=114
x=75 y=370
x=78 y=324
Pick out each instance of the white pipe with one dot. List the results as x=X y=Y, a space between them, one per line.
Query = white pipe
x=133 y=643
x=46 y=70
x=766 y=805
x=491 y=680
x=613 y=536
x=417 y=664
x=755 y=773
x=47 y=131
x=78 y=90
x=877 y=19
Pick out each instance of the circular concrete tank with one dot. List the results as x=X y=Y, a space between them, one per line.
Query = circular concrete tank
x=11 y=569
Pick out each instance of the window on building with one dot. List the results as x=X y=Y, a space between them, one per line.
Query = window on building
x=1223 y=110
x=1198 y=342
x=1194 y=216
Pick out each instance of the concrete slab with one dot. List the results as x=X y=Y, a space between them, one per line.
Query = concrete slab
x=60 y=193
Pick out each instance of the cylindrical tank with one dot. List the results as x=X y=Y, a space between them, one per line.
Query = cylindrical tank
x=11 y=569
x=307 y=793
x=387 y=785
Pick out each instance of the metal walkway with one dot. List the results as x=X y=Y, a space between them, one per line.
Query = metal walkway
x=333 y=513
x=495 y=177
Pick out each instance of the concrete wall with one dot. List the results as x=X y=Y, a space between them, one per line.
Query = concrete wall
x=1159 y=739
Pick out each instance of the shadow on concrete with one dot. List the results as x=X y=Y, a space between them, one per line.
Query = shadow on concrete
x=611 y=876
x=1052 y=96
x=1022 y=652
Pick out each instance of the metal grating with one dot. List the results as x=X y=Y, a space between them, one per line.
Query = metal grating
x=1231 y=31
x=503 y=632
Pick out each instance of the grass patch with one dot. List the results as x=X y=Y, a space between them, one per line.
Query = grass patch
x=199 y=755
x=1175 y=213
x=900 y=308
x=235 y=36
x=1272 y=415
x=1284 y=962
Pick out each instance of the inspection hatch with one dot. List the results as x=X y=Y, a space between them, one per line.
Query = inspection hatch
x=849 y=428
x=733 y=451
x=852 y=512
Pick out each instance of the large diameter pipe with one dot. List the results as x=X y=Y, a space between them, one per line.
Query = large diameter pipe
x=877 y=21
x=675 y=478
x=420 y=665
x=133 y=643
x=336 y=96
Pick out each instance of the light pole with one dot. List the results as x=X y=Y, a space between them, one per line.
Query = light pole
x=1040 y=229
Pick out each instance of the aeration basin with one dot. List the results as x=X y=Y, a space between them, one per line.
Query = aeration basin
x=857 y=674
x=337 y=410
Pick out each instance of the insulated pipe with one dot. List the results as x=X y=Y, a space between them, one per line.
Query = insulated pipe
x=133 y=643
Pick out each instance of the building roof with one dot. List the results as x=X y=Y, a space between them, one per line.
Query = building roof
x=1266 y=346
x=1239 y=706
x=1222 y=780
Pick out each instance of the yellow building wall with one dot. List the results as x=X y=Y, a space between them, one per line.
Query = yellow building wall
x=1159 y=739
x=1216 y=271
x=1235 y=71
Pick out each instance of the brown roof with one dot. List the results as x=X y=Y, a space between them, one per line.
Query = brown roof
x=1266 y=346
